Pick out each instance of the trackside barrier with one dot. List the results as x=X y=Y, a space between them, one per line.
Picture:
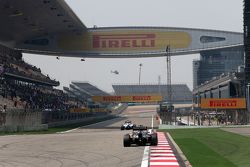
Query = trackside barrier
x=60 y=118
x=83 y=121
x=15 y=120
x=119 y=109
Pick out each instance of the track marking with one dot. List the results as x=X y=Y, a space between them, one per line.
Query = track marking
x=84 y=126
x=162 y=155
x=144 y=162
x=68 y=130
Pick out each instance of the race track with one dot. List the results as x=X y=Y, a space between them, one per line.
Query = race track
x=98 y=145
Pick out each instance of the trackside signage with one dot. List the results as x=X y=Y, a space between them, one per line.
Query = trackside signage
x=227 y=103
x=124 y=41
x=137 y=99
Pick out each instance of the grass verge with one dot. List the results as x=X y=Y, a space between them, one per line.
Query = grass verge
x=213 y=147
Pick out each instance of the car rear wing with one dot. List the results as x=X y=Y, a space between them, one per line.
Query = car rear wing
x=140 y=128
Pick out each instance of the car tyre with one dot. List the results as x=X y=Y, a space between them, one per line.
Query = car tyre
x=126 y=141
x=154 y=139
x=122 y=127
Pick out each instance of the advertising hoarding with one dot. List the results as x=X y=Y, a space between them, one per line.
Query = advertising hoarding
x=226 y=103
x=135 y=99
x=125 y=41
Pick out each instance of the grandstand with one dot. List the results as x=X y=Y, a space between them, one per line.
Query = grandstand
x=24 y=86
x=90 y=89
x=180 y=92
x=13 y=67
x=83 y=90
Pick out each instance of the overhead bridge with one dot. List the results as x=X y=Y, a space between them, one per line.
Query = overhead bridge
x=52 y=28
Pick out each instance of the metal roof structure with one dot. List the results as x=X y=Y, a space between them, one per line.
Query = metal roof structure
x=89 y=89
x=50 y=27
x=29 y=19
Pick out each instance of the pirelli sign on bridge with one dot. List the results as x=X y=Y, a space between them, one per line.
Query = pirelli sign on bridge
x=125 y=99
x=227 y=103
x=125 y=41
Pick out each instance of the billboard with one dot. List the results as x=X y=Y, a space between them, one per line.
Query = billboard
x=79 y=110
x=128 y=42
x=227 y=103
x=120 y=99
x=125 y=41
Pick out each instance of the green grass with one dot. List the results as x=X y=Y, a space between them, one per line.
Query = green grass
x=213 y=147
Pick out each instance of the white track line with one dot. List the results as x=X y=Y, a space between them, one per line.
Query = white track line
x=68 y=130
x=164 y=163
x=163 y=158
x=84 y=126
x=144 y=162
x=161 y=151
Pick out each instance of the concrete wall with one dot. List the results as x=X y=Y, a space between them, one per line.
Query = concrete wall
x=19 y=120
x=81 y=122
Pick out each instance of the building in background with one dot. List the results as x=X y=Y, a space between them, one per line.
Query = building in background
x=247 y=39
x=214 y=63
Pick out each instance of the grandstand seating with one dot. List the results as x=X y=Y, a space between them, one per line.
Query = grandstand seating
x=13 y=66
x=24 y=86
x=90 y=89
x=180 y=92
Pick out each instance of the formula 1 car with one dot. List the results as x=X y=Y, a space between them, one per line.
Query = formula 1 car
x=140 y=136
x=128 y=125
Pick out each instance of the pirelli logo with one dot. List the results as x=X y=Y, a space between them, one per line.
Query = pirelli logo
x=223 y=103
x=233 y=103
x=124 y=41
x=146 y=98
x=141 y=98
x=111 y=98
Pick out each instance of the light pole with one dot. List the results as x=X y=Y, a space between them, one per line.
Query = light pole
x=169 y=84
x=248 y=102
x=140 y=65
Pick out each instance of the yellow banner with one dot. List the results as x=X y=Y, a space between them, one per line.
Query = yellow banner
x=79 y=110
x=125 y=40
x=227 y=103
x=120 y=99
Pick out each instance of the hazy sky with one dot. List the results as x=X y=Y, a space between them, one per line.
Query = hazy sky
x=208 y=14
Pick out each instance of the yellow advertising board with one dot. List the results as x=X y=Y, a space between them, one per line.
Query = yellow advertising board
x=227 y=103
x=125 y=40
x=78 y=110
x=119 y=99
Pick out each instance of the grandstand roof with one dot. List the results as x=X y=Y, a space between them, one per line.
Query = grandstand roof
x=50 y=27
x=31 y=80
x=180 y=92
x=90 y=89
x=69 y=92
x=23 y=20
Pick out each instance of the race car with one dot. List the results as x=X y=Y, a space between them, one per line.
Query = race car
x=128 y=125
x=140 y=136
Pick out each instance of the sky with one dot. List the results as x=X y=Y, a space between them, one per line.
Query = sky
x=208 y=14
